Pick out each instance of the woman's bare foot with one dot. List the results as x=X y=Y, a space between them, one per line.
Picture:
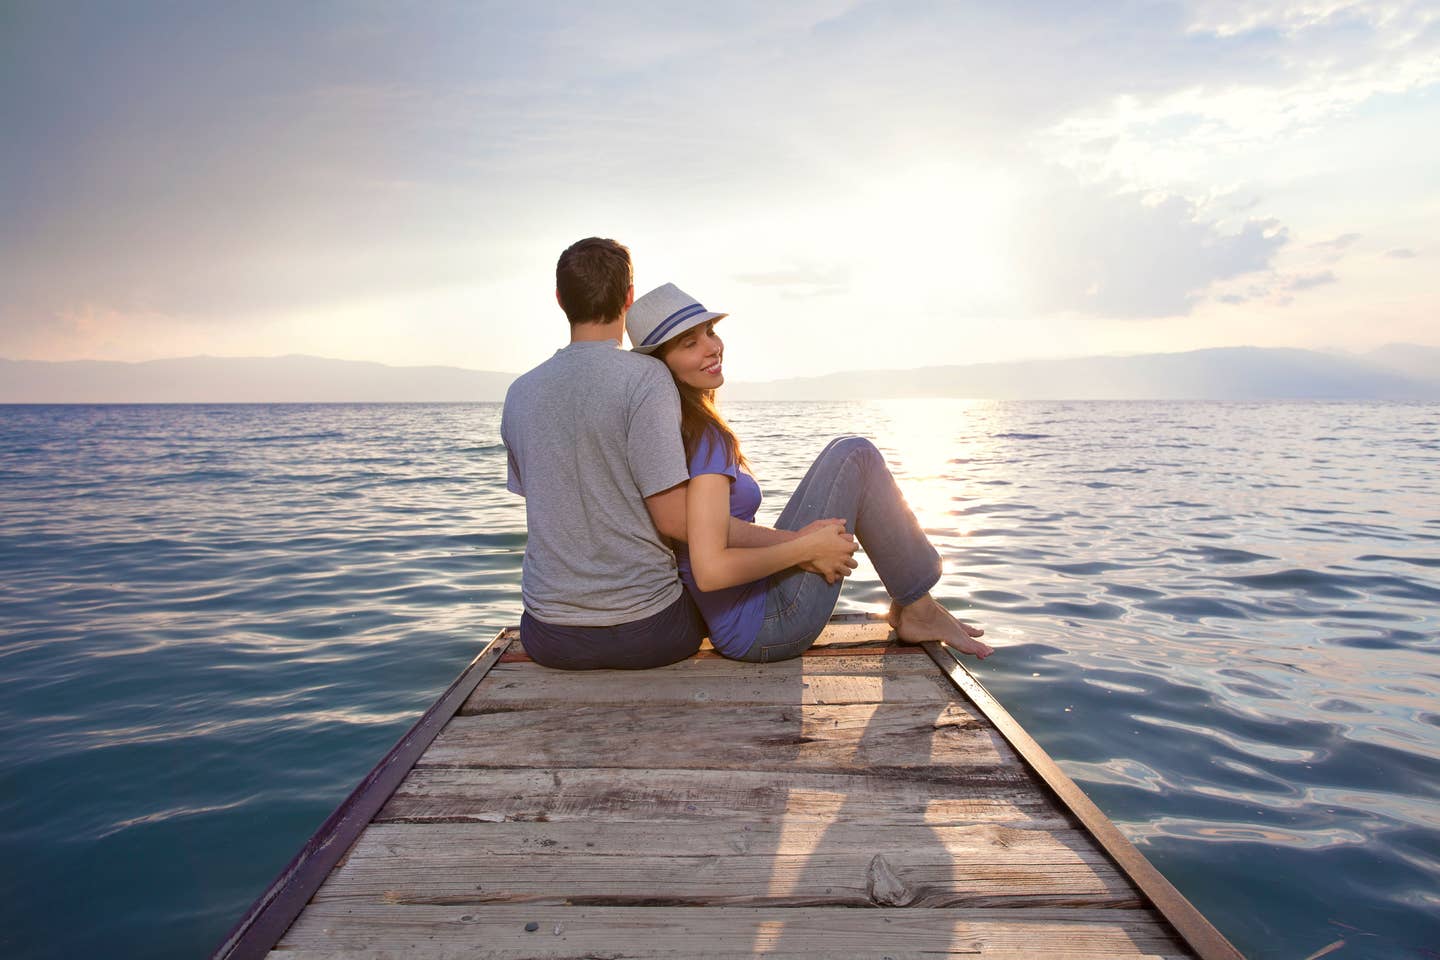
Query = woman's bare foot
x=926 y=620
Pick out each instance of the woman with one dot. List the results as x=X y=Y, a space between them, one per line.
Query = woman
x=770 y=602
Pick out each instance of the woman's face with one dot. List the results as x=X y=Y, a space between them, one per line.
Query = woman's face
x=694 y=357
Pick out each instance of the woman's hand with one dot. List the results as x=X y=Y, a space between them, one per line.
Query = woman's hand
x=814 y=525
x=830 y=551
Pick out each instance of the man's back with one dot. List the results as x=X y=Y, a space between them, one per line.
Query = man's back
x=591 y=432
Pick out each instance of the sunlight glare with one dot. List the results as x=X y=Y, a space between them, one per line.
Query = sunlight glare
x=928 y=442
x=939 y=237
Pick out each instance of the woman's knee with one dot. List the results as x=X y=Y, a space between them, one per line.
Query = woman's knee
x=851 y=446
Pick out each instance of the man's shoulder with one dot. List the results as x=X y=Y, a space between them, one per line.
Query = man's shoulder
x=647 y=370
x=528 y=381
x=536 y=372
x=621 y=369
x=639 y=366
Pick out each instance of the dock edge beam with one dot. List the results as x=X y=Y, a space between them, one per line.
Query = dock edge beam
x=275 y=910
x=1191 y=925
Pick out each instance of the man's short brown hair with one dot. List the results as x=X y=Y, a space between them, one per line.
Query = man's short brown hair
x=592 y=278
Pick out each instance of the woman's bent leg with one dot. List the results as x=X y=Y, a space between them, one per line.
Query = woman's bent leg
x=851 y=481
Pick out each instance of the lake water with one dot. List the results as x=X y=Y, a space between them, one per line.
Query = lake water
x=1223 y=621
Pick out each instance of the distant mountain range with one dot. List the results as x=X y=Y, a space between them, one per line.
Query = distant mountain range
x=292 y=379
x=1395 y=372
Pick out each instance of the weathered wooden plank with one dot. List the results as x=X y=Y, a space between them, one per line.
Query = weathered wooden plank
x=988 y=842
x=991 y=795
x=850 y=629
x=842 y=737
x=432 y=865
x=888 y=660
x=376 y=931
x=789 y=863
x=512 y=683
x=822 y=879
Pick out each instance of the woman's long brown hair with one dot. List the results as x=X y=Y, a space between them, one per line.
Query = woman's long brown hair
x=699 y=413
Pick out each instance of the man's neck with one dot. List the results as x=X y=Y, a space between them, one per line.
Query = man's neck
x=585 y=332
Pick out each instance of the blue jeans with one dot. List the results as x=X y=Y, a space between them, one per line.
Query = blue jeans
x=850 y=480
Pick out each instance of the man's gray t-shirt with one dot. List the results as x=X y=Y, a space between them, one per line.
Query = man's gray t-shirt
x=590 y=433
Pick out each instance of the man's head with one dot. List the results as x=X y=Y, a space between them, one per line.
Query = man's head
x=593 y=281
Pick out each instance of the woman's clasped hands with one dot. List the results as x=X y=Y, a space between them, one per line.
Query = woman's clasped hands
x=832 y=549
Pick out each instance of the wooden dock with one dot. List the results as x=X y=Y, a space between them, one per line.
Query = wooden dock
x=867 y=800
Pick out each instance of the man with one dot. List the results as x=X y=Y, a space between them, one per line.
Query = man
x=592 y=433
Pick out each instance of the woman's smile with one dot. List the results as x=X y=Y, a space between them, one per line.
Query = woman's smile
x=697 y=357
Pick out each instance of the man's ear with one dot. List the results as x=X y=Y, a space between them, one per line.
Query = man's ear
x=629 y=296
x=557 y=298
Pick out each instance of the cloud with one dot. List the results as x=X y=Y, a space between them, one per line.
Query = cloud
x=1330 y=253
x=1283 y=70
x=1341 y=242
x=1101 y=252
x=1290 y=18
x=1311 y=281
x=1296 y=271
x=802 y=281
x=1401 y=253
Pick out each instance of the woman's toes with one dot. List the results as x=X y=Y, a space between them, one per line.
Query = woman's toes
x=975 y=648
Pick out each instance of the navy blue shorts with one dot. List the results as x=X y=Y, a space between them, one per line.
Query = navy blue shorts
x=666 y=637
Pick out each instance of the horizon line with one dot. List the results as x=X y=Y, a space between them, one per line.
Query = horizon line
x=978 y=363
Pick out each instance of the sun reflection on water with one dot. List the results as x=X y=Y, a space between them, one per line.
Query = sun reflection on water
x=930 y=443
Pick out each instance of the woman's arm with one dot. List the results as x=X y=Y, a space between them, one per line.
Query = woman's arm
x=668 y=510
x=716 y=564
x=669 y=507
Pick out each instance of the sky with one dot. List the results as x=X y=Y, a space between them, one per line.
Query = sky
x=859 y=185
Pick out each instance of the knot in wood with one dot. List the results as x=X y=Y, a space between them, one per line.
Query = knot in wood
x=884 y=887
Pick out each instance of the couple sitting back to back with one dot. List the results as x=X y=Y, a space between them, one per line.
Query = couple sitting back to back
x=640 y=503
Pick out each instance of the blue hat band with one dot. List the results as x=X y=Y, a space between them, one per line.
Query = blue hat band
x=671 y=322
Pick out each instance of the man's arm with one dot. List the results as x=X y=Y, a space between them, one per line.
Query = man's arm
x=667 y=509
x=512 y=466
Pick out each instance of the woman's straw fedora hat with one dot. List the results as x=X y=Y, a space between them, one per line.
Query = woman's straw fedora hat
x=663 y=313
